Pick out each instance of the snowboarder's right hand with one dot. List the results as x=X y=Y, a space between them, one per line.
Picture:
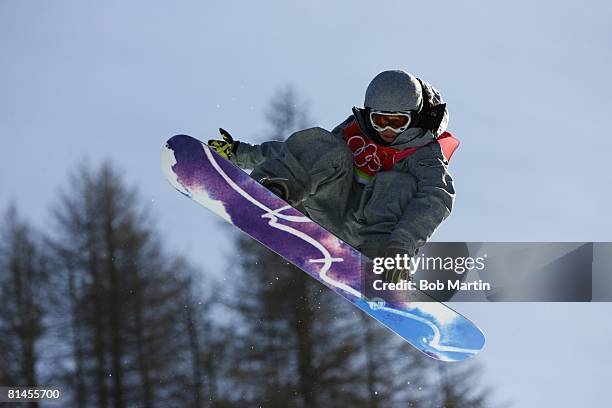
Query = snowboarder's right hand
x=226 y=147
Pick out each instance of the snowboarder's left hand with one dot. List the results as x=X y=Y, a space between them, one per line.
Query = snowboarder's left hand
x=399 y=273
x=389 y=250
x=226 y=147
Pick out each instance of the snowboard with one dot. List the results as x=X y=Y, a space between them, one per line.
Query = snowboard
x=215 y=183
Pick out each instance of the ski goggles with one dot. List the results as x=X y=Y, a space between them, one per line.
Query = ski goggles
x=395 y=121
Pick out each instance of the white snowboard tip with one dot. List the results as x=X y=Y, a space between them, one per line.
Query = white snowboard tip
x=167 y=162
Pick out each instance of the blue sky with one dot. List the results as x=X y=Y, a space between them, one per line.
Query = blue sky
x=526 y=82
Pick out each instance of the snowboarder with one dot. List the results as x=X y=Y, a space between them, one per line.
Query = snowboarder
x=379 y=180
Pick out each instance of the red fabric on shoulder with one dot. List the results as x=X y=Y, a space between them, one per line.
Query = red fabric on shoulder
x=449 y=144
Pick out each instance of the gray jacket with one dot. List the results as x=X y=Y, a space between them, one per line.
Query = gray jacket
x=403 y=207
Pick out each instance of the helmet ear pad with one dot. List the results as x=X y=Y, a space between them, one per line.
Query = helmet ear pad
x=430 y=117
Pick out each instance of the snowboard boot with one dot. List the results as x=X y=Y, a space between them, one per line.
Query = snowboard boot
x=280 y=188
x=276 y=185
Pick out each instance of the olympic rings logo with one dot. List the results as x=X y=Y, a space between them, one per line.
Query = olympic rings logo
x=365 y=154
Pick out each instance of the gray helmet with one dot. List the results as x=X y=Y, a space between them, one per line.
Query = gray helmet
x=394 y=91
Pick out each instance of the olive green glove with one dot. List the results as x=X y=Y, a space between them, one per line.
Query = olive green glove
x=226 y=148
